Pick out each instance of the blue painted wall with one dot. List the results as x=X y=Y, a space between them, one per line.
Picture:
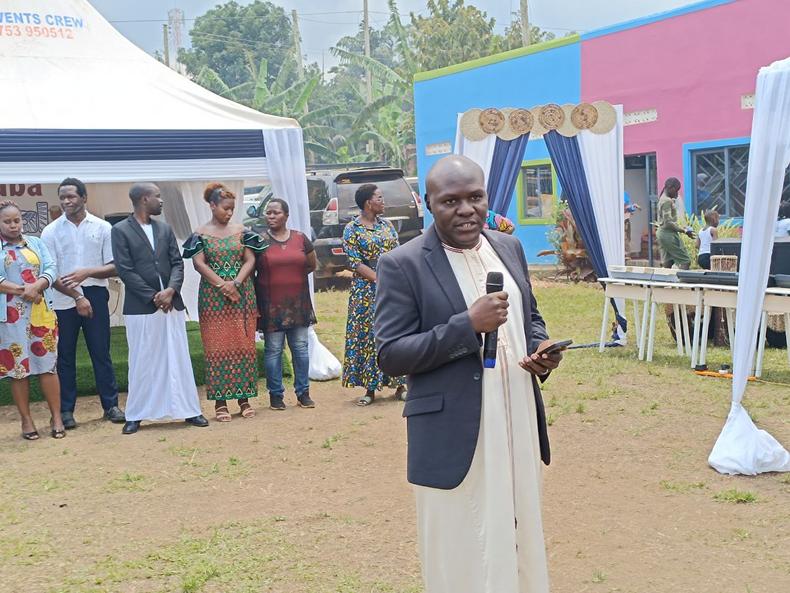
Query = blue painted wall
x=550 y=76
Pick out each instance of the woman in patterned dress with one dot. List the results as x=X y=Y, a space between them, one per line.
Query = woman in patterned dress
x=223 y=254
x=365 y=239
x=28 y=325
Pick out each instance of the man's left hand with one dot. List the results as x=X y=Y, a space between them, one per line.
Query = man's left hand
x=76 y=278
x=541 y=364
x=164 y=299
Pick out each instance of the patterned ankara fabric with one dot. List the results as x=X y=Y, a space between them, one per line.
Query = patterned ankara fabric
x=29 y=336
x=364 y=246
x=226 y=328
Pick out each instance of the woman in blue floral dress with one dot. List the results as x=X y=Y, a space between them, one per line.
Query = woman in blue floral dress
x=365 y=239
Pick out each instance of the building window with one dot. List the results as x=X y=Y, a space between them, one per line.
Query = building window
x=719 y=178
x=536 y=191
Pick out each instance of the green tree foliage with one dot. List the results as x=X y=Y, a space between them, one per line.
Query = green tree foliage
x=229 y=37
x=451 y=33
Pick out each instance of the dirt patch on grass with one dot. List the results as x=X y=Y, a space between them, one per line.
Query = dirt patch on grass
x=316 y=500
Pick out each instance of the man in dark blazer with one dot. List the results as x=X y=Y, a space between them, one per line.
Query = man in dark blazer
x=161 y=381
x=429 y=326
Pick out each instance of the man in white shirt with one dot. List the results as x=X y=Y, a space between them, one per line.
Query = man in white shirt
x=81 y=246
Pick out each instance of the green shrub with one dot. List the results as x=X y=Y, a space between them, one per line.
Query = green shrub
x=86 y=384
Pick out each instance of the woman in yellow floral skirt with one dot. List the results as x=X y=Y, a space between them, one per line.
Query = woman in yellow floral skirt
x=28 y=325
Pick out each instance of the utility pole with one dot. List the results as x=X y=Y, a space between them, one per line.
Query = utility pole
x=297 y=45
x=368 y=76
x=166 y=43
x=524 y=23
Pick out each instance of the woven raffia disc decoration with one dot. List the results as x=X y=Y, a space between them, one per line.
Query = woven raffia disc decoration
x=507 y=133
x=521 y=121
x=567 y=128
x=584 y=116
x=492 y=120
x=470 y=126
x=607 y=118
x=537 y=128
x=551 y=116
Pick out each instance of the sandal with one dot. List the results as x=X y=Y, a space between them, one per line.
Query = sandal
x=58 y=433
x=31 y=436
x=222 y=414
x=366 y=400
x=246 y=410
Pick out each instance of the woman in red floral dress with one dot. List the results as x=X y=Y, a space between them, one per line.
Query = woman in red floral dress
x=28 y=325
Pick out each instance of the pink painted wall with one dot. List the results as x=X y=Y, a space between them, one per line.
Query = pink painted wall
x=692 y=69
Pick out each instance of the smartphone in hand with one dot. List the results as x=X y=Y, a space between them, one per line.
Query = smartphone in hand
x=554 y=347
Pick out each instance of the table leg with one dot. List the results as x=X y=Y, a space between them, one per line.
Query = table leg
x=695 y=341
x=687 y=347
x=643 y=335
x=761 y=345
x=731 y=331
x=703 y=351
x=652 y=333
x=604 y=323
x=678 y=329
x=637 y=329
x=787 y=334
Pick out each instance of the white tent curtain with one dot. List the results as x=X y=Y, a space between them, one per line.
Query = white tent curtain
x=741 y=447
x=480 y=151
x=285 y=155
x=602 y=155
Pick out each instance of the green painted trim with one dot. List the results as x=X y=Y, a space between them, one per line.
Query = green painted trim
x=500 y=57
x=522 y=220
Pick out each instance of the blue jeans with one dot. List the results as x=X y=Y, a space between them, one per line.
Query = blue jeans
x=97 y=337
x=273 y=358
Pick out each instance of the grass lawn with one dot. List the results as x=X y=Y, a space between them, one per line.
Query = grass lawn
x=316 y=501
x=86 y=384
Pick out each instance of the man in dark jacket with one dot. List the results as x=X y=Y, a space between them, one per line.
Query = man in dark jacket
x=475 y=436
x=161 y=381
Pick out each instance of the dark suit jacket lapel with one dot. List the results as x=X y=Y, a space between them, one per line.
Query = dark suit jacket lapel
x=512 y=263
x=141 y=233
x=440 y=266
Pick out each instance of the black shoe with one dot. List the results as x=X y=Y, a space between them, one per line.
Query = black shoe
x=304 y=401
x=131 y=427
x=276 y=403
x=68 y=420
x=199 y=421
x=114 y=415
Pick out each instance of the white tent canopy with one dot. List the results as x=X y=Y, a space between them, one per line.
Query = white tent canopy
x=741 y=448
x=80 y=100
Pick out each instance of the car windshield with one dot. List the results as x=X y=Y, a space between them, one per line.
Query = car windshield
x=395 y=191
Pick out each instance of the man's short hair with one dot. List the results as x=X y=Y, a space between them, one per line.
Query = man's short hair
x=140 y=190
x=81 y=189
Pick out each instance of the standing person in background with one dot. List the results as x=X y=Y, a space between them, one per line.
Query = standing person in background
x=628 y=209
x=285 y=305
x=365 y=239
x=223 y=254
x=706 y=237
x=81 y=246
x=497 y=222
x=161 y=380
x=28 y=325
x=673 y=252
x=782 y=229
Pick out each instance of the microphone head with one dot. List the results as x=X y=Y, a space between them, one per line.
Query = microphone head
x=495 y=282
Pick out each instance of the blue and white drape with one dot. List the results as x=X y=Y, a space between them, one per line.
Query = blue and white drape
x=503 y=174
x=590 y=170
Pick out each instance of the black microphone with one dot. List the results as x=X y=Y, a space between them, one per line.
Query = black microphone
x=494 y=283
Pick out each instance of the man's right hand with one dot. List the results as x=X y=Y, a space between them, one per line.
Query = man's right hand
x=84 y=308
x=489 y=312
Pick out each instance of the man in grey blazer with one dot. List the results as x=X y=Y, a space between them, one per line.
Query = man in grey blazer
x=475 y=436
x=161 y=381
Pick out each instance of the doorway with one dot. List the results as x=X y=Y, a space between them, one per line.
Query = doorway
x=641 y=186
